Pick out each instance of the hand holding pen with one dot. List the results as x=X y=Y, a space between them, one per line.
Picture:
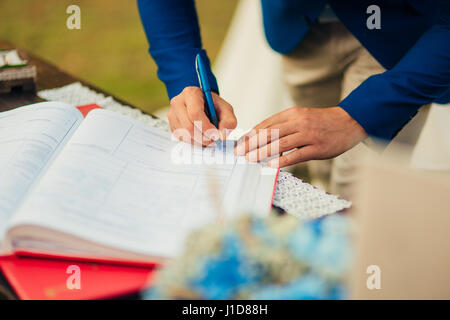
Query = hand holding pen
x=189 y=111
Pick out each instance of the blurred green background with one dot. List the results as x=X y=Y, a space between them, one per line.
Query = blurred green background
x=110 y=50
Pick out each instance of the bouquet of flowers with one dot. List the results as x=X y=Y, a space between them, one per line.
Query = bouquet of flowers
x=279 y=257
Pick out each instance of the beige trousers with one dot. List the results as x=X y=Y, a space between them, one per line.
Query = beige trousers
x=326 y=66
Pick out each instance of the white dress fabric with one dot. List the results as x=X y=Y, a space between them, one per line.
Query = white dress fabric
x=249 y=73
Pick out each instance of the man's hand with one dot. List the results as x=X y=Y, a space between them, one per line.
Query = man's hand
x=309 y=132
x=189 y=122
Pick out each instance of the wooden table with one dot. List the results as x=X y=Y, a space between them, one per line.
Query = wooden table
x=48 y=76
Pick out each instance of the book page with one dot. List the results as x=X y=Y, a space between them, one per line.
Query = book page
x=121 y=184
x=29 y=138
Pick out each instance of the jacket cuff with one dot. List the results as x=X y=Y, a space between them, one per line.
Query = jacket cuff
x=177 y=76
x=370 y=106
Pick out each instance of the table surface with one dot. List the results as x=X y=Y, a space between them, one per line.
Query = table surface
x=48 y=76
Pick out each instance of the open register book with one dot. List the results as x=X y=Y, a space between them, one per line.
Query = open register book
x=111 y=188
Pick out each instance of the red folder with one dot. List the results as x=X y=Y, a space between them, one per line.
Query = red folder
x=88 y=107
x=42 y=279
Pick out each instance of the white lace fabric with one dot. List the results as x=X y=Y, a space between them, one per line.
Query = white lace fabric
x=291 y=194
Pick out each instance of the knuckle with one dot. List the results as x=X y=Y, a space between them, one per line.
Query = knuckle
x=187 y=90
x=175 y=100
x=273 y=134
x=284 y=142
x=185 y=138
x=304 y=121
x=289 y=158
x=295 y=110
x=231 y=122
x=190 y=128
x=195 y=113
x=177 y=134
x=308 y=113
x=226 y=104
x=191 y=90
x=300 y=123
x=172 y=119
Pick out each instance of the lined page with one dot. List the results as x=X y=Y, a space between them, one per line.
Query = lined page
x=29 y=137
x=116 y=183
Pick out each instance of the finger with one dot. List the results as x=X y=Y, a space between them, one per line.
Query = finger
x=280 y=117
x=303 y=154
x=196 y=113
x=173 y=121
x=225 y=113
x=197 y=137
x=241 y=143
x=281 y=145
x=264 y=136
x=271 y=122
x=239 y=149
x=180 y=133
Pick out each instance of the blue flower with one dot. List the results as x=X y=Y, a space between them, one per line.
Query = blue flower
x=225 y=273
x=332 y=255
x=260 y=230
x=336 y=224
x=338 y=292
x=302 y=242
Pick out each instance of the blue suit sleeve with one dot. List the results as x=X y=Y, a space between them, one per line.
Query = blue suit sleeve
x=173 y=33
x=384 y=103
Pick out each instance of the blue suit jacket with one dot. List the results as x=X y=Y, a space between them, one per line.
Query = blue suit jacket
x=413 y=44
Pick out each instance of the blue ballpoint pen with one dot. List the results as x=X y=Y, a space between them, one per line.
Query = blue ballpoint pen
x=206 y=88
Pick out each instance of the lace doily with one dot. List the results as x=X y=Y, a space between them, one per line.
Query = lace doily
x=303 y=200
x=78 y=95
x=291 y=194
